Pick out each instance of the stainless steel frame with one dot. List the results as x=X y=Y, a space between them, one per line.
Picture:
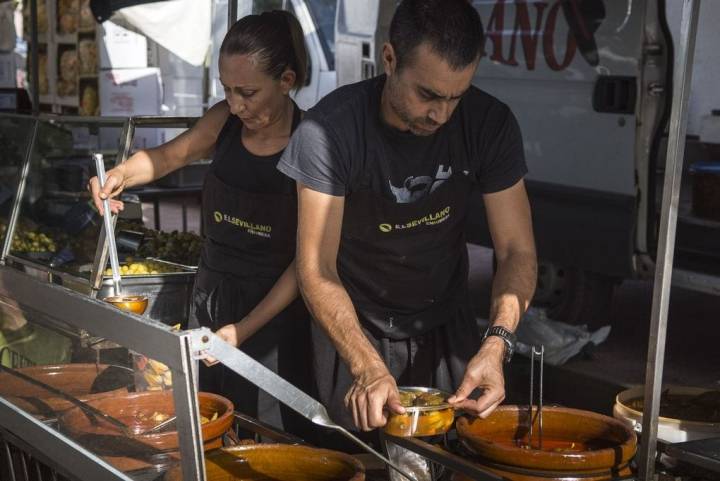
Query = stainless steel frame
x=666 y=245
x=71 y=458
x=55 y=304
x=12 y=221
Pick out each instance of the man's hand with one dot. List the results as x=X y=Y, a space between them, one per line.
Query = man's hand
x=484 y=372
x=371 y=396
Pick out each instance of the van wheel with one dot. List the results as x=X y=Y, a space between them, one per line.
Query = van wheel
x=575 y=296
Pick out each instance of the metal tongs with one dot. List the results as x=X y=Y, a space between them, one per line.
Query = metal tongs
x=538 y=413
x=109 y=231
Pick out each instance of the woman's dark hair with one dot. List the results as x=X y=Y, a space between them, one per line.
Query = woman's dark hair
x=452 y=29
x=276 y=38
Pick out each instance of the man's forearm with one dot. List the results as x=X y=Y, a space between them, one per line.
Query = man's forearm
x=332 y=308
x=513 y=288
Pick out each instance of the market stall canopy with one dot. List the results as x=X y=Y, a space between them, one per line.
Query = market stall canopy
x=181 y=26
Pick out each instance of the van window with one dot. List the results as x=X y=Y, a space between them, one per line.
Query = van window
x=323 y=12
x=260 y=6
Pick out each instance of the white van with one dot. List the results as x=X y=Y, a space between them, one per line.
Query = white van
x=590 y=82
x=317 y=18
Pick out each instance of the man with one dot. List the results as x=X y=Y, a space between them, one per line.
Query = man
x=385 y=169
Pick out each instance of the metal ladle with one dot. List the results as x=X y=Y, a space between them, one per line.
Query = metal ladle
x=109 y=231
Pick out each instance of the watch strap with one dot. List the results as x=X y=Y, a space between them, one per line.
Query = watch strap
x=508 y=338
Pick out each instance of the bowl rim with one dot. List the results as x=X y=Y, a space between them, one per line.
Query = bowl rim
x=536 y=459
x=421 y=409
x=629 y=394
x=229 y=413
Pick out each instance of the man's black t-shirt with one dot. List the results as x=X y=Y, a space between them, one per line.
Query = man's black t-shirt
x=342 y=146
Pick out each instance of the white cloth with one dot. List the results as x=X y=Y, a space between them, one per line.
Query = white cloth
x=181 y=26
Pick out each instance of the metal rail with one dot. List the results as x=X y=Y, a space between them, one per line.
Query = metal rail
x=666 y=245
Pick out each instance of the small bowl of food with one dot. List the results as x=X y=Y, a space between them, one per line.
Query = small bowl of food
x=135 y=304
x=427 y=413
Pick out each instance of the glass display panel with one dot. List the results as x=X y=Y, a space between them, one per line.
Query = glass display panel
x=15 y=135
x=58 y=225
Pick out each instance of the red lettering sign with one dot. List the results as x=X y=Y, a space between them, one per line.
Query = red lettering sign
x=527 y=31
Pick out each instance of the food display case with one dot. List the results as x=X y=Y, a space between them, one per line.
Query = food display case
x=82 y=417
x=52 y=231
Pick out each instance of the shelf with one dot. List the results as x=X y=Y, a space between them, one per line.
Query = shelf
x=47 y=99
x=88 y=76
x=66 y=38
x=71 y=101
x=42 y=37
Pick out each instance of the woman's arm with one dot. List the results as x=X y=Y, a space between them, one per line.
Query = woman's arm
x=147 y=165
x=284 y=292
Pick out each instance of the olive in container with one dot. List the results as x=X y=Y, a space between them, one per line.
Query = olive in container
x=427 y=413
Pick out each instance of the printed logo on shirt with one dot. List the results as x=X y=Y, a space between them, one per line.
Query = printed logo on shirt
x=426 y=220
x=249 y=227
x=417 y=187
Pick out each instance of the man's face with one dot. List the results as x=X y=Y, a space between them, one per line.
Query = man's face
x=426 y=91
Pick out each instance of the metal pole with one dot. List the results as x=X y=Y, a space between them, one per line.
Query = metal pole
x=666 y=245
x=232 y=12
x=15 y=212
x=34 y=65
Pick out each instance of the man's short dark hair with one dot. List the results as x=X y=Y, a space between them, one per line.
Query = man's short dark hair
x=452 y=28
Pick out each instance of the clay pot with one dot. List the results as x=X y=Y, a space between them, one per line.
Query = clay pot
x=136 y=411
x=277 y=462
x=74 y=379
x=603 y=446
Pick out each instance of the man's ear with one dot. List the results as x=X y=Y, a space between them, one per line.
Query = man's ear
x=389 y=59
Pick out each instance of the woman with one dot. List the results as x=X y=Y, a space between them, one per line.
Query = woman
x=247 y=269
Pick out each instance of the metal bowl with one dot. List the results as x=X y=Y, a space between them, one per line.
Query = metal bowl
x=422 y=420
x=135 y=304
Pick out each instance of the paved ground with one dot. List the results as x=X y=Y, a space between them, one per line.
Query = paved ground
x=692 y=353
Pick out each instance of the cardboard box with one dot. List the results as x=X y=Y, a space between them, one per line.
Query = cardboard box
x=122 y=48
x=126 y=93
x=129 y=92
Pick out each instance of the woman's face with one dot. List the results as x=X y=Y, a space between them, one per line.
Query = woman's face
x=255 y=97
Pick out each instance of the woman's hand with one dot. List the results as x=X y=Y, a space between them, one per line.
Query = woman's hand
x=114 y=184
x=234 y=334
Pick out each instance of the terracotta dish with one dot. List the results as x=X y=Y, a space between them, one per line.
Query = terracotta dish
x=140 y=412
x=78 y=380
x=277 y=462
x=576 y=444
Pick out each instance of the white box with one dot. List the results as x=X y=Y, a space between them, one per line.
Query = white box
x=128 y=92
x=8 y=73
x=122 y=48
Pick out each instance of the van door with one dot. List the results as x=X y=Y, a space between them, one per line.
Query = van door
x=584 y=79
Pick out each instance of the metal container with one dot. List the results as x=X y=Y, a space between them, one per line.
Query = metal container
x=168 y=293
x=422 y=420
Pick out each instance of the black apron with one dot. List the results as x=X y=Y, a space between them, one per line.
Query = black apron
x=405 y=268
x=249 y=243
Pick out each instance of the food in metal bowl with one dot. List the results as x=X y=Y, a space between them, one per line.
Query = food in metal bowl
x=427 y=413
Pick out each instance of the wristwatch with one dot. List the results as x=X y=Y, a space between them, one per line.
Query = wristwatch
x=507 y=337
